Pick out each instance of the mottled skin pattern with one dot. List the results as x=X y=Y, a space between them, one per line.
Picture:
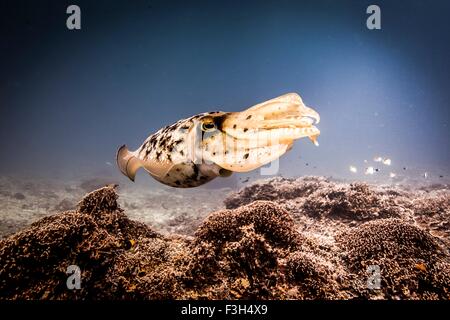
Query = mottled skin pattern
x=196 y=150
x=169 y=143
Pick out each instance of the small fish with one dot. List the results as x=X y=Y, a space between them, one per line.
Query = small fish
x=421 y=266
x=196 y=150
x=385 y=161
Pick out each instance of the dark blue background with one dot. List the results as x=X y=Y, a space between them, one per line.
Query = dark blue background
x=68 y=99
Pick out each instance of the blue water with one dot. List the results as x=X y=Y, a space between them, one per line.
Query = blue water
x=68 y=99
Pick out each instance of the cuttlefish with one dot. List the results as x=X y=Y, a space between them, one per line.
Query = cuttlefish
x=198 y=149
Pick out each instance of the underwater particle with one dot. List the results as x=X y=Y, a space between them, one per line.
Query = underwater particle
x=392 y=175
x=307 y=164
x=425 y=175
x=370 y=170
x=108 y=163
x=353 y=169
x=404 y=168
x=376 y=169
x=365 y=161
x=283 y=119
x=378 y=159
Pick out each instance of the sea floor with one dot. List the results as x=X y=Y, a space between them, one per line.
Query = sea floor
x=168 y=210
x=306 y=238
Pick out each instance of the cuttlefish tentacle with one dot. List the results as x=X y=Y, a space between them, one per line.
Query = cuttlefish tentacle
x=194 y=151
x=287 y=113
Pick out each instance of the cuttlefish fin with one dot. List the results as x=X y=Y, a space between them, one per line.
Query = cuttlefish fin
x=244 y=161
x=127 y=162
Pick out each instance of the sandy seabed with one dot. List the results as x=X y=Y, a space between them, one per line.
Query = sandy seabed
x=305 y=238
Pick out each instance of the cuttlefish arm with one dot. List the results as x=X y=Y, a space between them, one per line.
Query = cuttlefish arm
x=282 y=113
x=263 y=133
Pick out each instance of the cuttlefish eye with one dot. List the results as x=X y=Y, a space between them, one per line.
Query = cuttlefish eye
x=208 y=126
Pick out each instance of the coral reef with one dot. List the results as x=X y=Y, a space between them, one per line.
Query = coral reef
x=325 y=207
x=308 y=238
x=26 y=200
x=33 y=262
x=320 y=197
x=411 y=261
x=244 y=246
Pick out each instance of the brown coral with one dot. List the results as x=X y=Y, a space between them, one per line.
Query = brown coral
x=244 y=246
x=411 y=262
x=275 y=189
x=315 y=240
x=267 y=218
x=33 y=262
x=319 y=197
x=354 y=202
x=314 y=278
x=432 y=211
